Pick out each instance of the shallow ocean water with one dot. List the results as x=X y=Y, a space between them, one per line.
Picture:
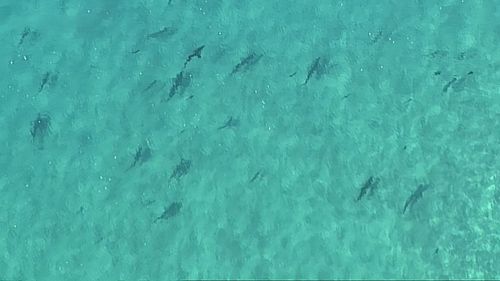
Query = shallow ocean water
x=217 y=139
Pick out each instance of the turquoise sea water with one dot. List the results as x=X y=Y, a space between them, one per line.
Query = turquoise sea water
x=223 y=139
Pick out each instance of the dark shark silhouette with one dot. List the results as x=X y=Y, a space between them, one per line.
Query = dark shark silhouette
x=195 y=54
x=415 y=196
x=246 y=63
x=370 y=185
x=171 y=211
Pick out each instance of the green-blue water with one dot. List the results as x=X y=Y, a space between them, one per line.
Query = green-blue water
x=225 y=139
